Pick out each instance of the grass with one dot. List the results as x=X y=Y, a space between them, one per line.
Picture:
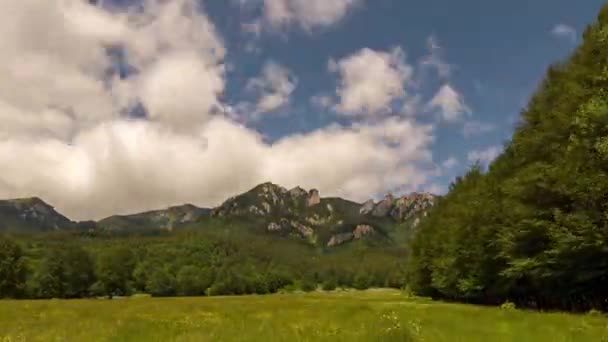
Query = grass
x=375 y=315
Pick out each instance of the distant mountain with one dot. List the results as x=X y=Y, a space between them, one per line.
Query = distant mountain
x=324 y=221
x=30 y=215
x=167 y=219
x=267 y=208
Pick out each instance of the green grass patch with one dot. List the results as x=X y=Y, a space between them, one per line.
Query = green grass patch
x=374 y=315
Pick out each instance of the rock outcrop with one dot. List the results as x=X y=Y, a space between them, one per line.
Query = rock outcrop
x=340 y=239
x=385 y=206
x=367 y=207
x=358 y=233
x=400 y=209
x=363 y=230
x=313 y=197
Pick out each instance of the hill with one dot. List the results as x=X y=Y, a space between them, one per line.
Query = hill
x=31 y=215
x=533 y=229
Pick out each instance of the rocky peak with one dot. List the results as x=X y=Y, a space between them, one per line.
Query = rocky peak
x=313 y=197
x=32 y=211
x=384 y=207
x=401 y=208
x=297 y=192
x=367 y=207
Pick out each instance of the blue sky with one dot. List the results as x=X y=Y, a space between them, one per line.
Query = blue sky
x=498 y=52
x=168 y=102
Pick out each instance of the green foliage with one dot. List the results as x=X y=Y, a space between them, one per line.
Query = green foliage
x=12 y=269
x=193 y=281
x=533 y=229
x=114 y=270
x=65 y=272
x=329 y=285
x=161 y=282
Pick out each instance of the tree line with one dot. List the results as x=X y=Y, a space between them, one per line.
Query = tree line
x=187 y=265
x=533 y=228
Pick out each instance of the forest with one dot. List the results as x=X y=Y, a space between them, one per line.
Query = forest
x=532 y=229
x=186 y=263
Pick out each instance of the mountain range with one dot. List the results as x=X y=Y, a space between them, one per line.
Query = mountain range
x=267 y=208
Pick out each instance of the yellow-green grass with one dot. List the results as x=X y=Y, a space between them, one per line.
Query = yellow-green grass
x=375 y=315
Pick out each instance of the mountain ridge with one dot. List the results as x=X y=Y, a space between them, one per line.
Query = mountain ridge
x=268 y=207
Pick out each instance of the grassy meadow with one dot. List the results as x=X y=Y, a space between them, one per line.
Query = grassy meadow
x=374 y=315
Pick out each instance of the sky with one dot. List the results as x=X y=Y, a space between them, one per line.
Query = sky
x=121 y=106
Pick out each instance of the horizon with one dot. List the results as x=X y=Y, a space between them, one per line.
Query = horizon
x=218 y=205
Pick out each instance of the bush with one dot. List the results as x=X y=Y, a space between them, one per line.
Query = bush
x=329 y=285
x=508 y=306
x=308 y=285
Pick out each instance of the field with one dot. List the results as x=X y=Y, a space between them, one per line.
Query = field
x=375 y=315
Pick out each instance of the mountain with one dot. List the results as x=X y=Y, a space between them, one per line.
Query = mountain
x=266 y=209
x=167 y=219
x=321 y=221
x=31 y=214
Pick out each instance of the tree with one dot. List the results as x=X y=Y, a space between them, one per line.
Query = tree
x=533 y=229
x=193 y=281
x=114 y=271
x=161 y=282
x=12 y=269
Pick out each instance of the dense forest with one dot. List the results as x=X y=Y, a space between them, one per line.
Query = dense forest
x=533 y=228
x=227 y=261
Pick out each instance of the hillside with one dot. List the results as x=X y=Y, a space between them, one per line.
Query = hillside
x=168 y=219
x=533 y=229
x=31 y=215
x=266 y=209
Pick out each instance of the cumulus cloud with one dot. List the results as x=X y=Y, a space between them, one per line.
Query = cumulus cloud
x=370 y=81
x=473 y=128
x=450 y=103
x=126 y=166
x=55 y=64
x=450 y=163
x=322 y=101
x=63 y=136
x=274 y=87
x=308 y=14
x=564 y=31
x=485 y=156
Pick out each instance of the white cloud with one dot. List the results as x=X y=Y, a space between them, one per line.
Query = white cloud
x=434 y=59
x=485 y=156
x=274 y=86
x=180 y=89
x=450 y=103
x=411 y=105
x=125 y=167
x=308 y=14
x=450 y=163
x=473 y=128
x=62 y=137
x=564 y=31
x=54 y=64
x=322 y=101
x=370 y=81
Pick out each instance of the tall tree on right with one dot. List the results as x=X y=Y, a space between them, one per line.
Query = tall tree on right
x=534 y=228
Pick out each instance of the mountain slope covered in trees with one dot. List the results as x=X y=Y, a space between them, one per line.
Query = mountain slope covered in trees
x=533 y=229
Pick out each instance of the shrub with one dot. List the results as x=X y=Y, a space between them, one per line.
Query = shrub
x=508 y=306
